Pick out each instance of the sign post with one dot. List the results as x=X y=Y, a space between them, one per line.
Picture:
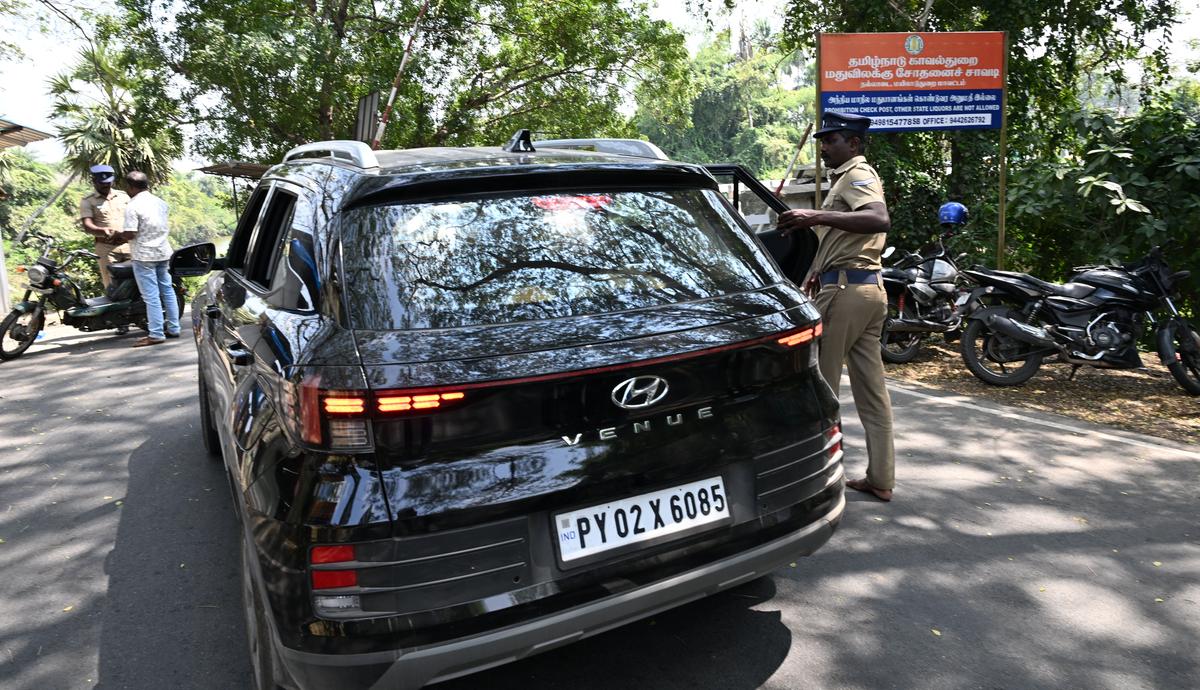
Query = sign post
x=919 y=81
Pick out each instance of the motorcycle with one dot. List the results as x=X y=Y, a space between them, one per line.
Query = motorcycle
x=1016 y=321
x=50 y=286
x=926 y=293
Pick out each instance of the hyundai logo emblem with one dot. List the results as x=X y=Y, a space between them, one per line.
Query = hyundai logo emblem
x=639 y=392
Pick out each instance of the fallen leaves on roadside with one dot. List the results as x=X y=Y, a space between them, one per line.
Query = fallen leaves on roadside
x=1095 y=395
x=68 y=608
x=1157 y=564
x=936 y=632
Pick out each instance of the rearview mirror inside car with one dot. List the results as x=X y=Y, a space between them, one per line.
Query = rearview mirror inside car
x=196 y=260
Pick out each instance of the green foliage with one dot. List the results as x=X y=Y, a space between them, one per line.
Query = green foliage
x=1125 y=185
x=260 y=76
x=1055 y=49
x=102 y=121
x=737 y=111
x=199 y=211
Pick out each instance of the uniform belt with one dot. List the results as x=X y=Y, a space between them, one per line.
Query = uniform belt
x=854 y=276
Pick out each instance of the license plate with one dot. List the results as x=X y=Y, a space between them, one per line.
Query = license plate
x=589 y=531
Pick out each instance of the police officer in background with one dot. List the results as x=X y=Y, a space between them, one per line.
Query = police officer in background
x=851 y=227
x=102 y=215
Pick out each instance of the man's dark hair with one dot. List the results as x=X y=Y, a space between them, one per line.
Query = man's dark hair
x=137 y=180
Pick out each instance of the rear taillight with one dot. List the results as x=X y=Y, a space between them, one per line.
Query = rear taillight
x=802 y=336
x=329 y=578
x=341 y=419
x=331 y=554
x=833 y=436
x=324 y=577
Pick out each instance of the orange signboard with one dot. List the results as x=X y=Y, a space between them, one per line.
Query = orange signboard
x=921 y=80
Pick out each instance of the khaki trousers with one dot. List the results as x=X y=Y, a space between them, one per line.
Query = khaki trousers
x=853 y=318
x=110 y=253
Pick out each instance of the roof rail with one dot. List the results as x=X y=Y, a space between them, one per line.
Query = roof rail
x=622 y=147
x=355 y=152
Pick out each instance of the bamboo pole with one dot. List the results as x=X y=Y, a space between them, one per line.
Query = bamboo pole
x=1001 y=248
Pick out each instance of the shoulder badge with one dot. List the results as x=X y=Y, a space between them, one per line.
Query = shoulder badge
x=863 y=183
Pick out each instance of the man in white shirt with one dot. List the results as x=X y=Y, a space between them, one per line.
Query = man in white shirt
x=146 y=227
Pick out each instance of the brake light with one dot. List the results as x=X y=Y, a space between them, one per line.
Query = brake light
x=387 y=402
x=331 y=554
x=340 y=419
x=330 y=579
x=575 y=202
x=802 y=336
x=337 y=402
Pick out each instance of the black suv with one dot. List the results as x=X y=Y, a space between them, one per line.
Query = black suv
x=476 y=403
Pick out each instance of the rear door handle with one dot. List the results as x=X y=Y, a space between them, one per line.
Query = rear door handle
x=238 y=355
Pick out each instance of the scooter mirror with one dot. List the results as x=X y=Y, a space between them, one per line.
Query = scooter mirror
x=195 y=260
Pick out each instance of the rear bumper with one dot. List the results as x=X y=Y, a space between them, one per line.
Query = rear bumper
x=415 y=667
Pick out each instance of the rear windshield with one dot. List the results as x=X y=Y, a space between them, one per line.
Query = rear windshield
x=521 y=258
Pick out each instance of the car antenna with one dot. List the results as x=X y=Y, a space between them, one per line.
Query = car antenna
x=521 y=142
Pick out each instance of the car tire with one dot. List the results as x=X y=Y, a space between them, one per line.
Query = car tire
x=262 y=656
x=208 y=431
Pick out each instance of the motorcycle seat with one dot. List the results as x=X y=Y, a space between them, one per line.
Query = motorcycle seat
x=97 y=301
x=1075 y=290
x=123 y=269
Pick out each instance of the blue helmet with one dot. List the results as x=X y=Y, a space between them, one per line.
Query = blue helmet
x=952 y=213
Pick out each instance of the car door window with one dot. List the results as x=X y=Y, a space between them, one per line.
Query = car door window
x=296 y=284
x=756 y=211
x=760 y=209
x=264 y=246
x=236 y=256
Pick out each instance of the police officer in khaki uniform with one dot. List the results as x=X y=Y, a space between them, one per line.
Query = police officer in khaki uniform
x=102 y=215
x=851 y=227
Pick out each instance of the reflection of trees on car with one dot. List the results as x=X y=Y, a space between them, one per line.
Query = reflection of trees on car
x=521 y=258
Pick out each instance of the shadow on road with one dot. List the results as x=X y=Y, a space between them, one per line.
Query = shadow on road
x=719 y=642
x=172 y=617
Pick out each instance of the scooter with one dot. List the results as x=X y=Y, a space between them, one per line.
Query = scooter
x=50 y=286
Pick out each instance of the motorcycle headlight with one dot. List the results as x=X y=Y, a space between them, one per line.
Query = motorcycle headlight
x=37 y=274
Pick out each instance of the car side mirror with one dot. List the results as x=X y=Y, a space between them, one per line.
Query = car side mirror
x=195 y=260
x=887 y=253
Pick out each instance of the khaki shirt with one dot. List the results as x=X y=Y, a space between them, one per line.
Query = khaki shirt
x=855 y=184
x=105 y=211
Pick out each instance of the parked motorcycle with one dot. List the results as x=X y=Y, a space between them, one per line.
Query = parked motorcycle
x=50 y=286
x=1015 y=321
x=926 y=293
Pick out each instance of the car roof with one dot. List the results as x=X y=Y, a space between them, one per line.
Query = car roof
x=429 y=173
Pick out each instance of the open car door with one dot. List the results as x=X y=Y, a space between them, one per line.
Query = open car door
x=761 y=208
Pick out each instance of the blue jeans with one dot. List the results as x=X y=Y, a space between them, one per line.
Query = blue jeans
x=154 y=282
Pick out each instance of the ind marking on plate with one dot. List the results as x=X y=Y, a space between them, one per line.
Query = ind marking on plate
x=600 y=528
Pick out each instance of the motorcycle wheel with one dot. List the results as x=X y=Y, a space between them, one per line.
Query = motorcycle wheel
x=1180 y=351
x=898 y=348
x=18 y=330
x=995 y=358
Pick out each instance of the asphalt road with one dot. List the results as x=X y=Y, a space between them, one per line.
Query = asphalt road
x=1022 y=551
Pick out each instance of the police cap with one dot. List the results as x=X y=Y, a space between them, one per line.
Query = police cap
x=832 y=121
x=103 y=174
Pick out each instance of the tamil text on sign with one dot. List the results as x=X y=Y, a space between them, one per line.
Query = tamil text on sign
x=909 y=81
